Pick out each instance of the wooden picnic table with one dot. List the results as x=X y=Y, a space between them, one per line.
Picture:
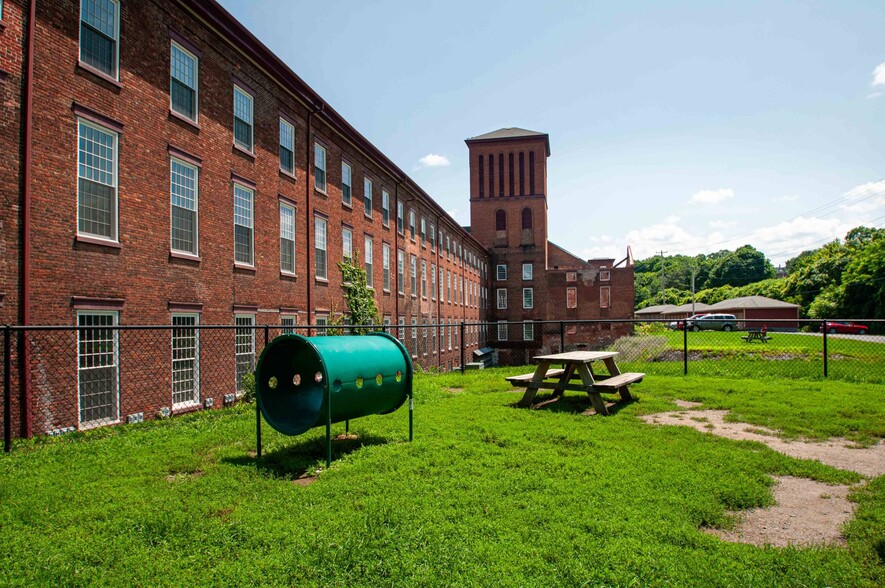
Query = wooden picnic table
x=576 y=365
x=756 y=335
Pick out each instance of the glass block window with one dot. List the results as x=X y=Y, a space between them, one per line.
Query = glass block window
x=287 y=238
x=97 y=181
x=502 y=298
x=385 y=207
x=347 y=244
x=183 y=192
x=400 y=272
x=242 y=118
x=99 y=35
x=185 y=360
x=98 y=372
x=183 y=74
x=287 y=146
x=528 y=298
x=320 y=226
x=501 y=272
x=527 y=271
x=369 y=253
x=346 y=184
x=385 y=263
x=367 y=196
x=244 y=347
x=319 y=167
x=243 y=237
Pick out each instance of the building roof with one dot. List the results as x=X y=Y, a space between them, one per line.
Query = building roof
x=698 y=307
x=659 y=309
x=510 y=133
x=751 y=302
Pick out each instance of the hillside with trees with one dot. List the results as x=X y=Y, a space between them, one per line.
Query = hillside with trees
x=844 y=278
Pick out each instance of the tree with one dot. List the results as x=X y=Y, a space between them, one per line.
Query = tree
x=360 y=299
x=742 y=267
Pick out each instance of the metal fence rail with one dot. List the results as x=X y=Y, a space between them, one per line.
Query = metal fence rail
x=58 y=379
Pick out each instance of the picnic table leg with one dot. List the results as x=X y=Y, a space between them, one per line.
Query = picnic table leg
x=595 y=398
x=564 y=379
x=613 y=370
x=532 y=388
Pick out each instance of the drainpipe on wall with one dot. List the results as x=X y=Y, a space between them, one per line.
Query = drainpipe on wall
x=25 y=301
x=307 y=213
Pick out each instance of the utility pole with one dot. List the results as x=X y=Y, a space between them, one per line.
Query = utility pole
x=663 y=296
x=694 y=271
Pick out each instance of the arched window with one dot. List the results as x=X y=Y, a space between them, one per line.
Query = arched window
x=526 y=218
x=500 y=221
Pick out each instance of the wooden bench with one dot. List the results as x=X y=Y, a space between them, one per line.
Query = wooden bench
x=516 y=380
x=619 y=381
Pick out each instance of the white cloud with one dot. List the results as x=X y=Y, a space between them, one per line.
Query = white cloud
x=433 y=160
x=712 y=196
x=721 y=224
x=879 y=75
x=790 y=198
x=672 y=219
x=865 y=198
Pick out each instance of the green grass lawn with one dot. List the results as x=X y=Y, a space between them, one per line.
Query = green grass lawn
x=486 y=495
x=792 y=355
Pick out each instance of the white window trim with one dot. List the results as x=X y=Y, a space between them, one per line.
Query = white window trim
x=325 y=249
x=251 y=263
x=116 y=39
x=503 y=325
x=527 y=327
x=498 y=268
x=499 y=298
x=385 y=208
x=531 y=272
x=84 y=425
x=251 y=148
x=367 y=197
x=348 y=203
x=531 y=293
x=294 y=270
x=325 y=168
x=345 y=254
x=196 y=251
x=116 y=224
x=288 y=329
x=196 y=327
x=180 y=47
x=385 y=267
x=291 y=172
x=369 y=260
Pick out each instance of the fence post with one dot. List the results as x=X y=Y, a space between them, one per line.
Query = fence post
x=684 y=350
x=824 y=328
x=561 y=337
x=461 y=341
x=7 y=388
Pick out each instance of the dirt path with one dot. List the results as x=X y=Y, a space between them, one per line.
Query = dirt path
x=806 y=512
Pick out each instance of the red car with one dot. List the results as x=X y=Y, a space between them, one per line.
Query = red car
x=849 y=328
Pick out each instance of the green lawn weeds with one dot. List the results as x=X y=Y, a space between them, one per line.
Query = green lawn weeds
x=487 y=494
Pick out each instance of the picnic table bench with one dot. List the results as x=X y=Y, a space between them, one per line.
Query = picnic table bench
x=756 y=335
x=576 y=366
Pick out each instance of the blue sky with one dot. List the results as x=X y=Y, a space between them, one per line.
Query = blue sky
x=685 y=126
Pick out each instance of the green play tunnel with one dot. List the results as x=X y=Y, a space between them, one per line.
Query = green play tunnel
x=304 y=382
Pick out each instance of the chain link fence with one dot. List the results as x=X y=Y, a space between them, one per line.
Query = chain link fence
x=62 y=379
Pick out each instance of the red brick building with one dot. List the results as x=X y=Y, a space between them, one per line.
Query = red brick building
x=533 y=279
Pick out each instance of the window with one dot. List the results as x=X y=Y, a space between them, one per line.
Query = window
x=501 y=272
x=521 y=174
x=448 y=248
x=571 y=297
x=99 y=30
x=528 y=298
x=288 y=323
x=414 y=348
x=423 y=232
x=287 y=147
x=367 y=196
x=526 y=218
x=450 y=334
x=531 y=172
x=242 y=119
x=527 y=272
x=424 y=337
x=502 y=331
x=441 y=285
x=385 y=264
x=528 y=331
x=183 y=192
x=98 y=363
x=385 y=208
x=500 y=220
x=320 y=226
x=97 y=181
x=322 y=321
x=185 y=360
x=449 y=286
x=401 y=331
x=346 y=184
x=368 y=253
x=423 y=279
x=412 y=225
x=433 y=281
x=482 y=178
x=400 y=272
x=319 y=167
x=243 y=198
x=502 y=298
x=399 y=217
x=605 y=276
x=413 y=275
x=432 y=237
x=183 y=84
x=433 y=338
x=571 y=276
x=347 y=245
x=287 y=238
x=605 y=297
x=244 y=347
